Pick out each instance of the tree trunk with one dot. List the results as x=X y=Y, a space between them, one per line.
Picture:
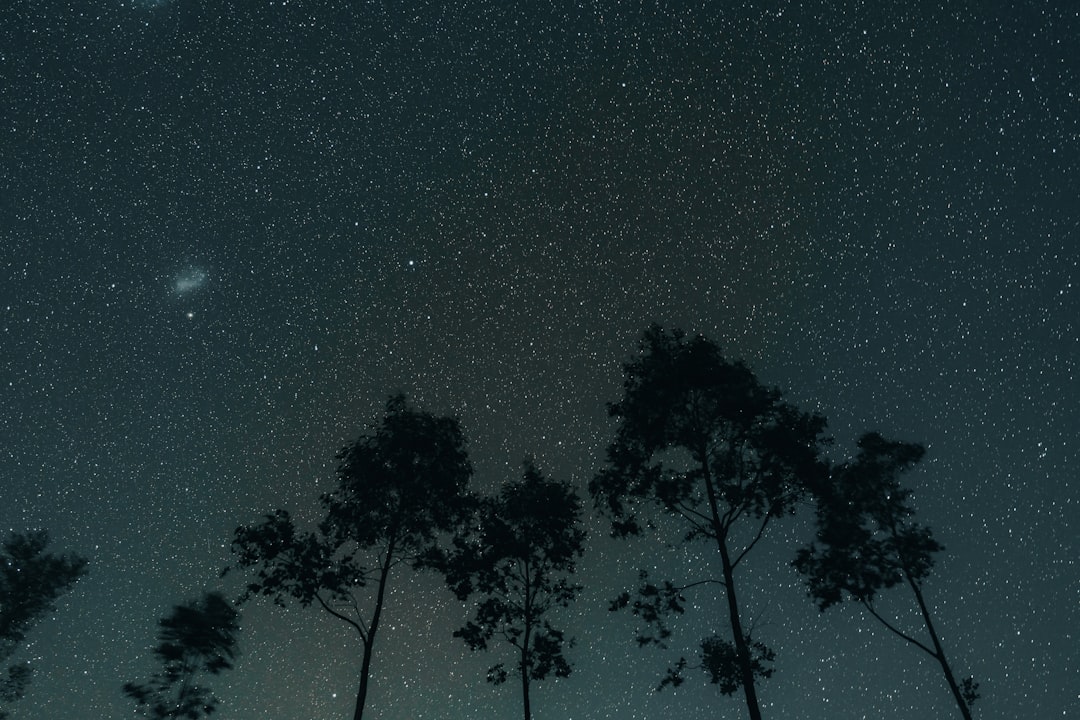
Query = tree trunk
x=525 y=694
x=526 y=638
x=365 y=667
x=369 y=641
x=939 y=652
x=742 y=650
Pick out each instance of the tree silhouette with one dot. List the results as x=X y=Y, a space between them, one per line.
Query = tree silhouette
x=867 y=541
x=705 y=443
x=518 y=556
x=198 y=638
x=30 y=582
x=398 y=488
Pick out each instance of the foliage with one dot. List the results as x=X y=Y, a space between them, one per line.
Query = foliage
x=398 y=488
x=31 y=580
x=197 y=638
x=518 y=555
x=737 y=436
x=703 y=441
x=653 y=604
x=719 y=658
x=867 y=541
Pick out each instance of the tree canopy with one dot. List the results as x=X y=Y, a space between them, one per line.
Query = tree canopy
x=518 y=556
x=31 y=580
x=868 y=540
x=198 y=638
x=701 y=440
x=399 y=487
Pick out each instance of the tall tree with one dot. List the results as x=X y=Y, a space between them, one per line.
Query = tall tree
x=868 y=540
x=197 y=638
x=701 y=440
x=31 y=580
x=518 y=557
x=398 y=488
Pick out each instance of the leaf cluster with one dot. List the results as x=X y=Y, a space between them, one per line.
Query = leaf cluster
x=398 y=487
x=197 y=638
x=31 y=580
x=405 y=481
x=867 y=539
x=689 y=418
x=720 y=661
x=518 y=553
x=654 y=604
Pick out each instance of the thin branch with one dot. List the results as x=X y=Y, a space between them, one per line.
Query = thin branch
x=358 y=625
x=698 y=519
x=691 y=517
x=510 y=639
x=883 y=621
x=708 y=581
x=753 y=542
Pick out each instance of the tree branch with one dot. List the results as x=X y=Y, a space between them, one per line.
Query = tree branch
x=883 y=621
x=753 y=542
x=708 y=581
x=699 y=521
x=358 y=625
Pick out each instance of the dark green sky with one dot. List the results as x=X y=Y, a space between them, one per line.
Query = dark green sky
x=229 y=230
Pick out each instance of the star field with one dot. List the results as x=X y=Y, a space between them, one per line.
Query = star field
x=229 y=233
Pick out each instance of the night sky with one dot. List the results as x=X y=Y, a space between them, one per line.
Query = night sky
x=230 y=230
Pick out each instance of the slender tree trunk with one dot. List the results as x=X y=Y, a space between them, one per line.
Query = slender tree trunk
x=742 y=650
x=525 y=694
x=526 y=659
x=369 y=641
x=365 y=668
x=939 y=651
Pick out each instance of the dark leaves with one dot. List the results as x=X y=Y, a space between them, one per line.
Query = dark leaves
x=517 y=553
x=13 y=684
x=866 y=538
x=654 y=604
x=719 y=659
x=399 y=487
x=728 y=430
x=31 y=580
x=969 y=690
x=197 y=638
x=405 y=479
x=291 y=564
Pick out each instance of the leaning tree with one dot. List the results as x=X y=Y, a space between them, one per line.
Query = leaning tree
x=399 y=487
x=868 y=540
x=703 y=442
x=517 y=556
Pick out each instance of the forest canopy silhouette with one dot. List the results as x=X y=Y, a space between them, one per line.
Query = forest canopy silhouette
x=704 y=454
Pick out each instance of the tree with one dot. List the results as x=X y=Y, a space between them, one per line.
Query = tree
x=867 y=540
x=701 y=440
x=198 y=638
x=518 y=556
x=398 y=488
x=31 y=580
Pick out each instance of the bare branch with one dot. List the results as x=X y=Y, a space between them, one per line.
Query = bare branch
x=359 y=628
x=753 y=542
x=869 y=606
